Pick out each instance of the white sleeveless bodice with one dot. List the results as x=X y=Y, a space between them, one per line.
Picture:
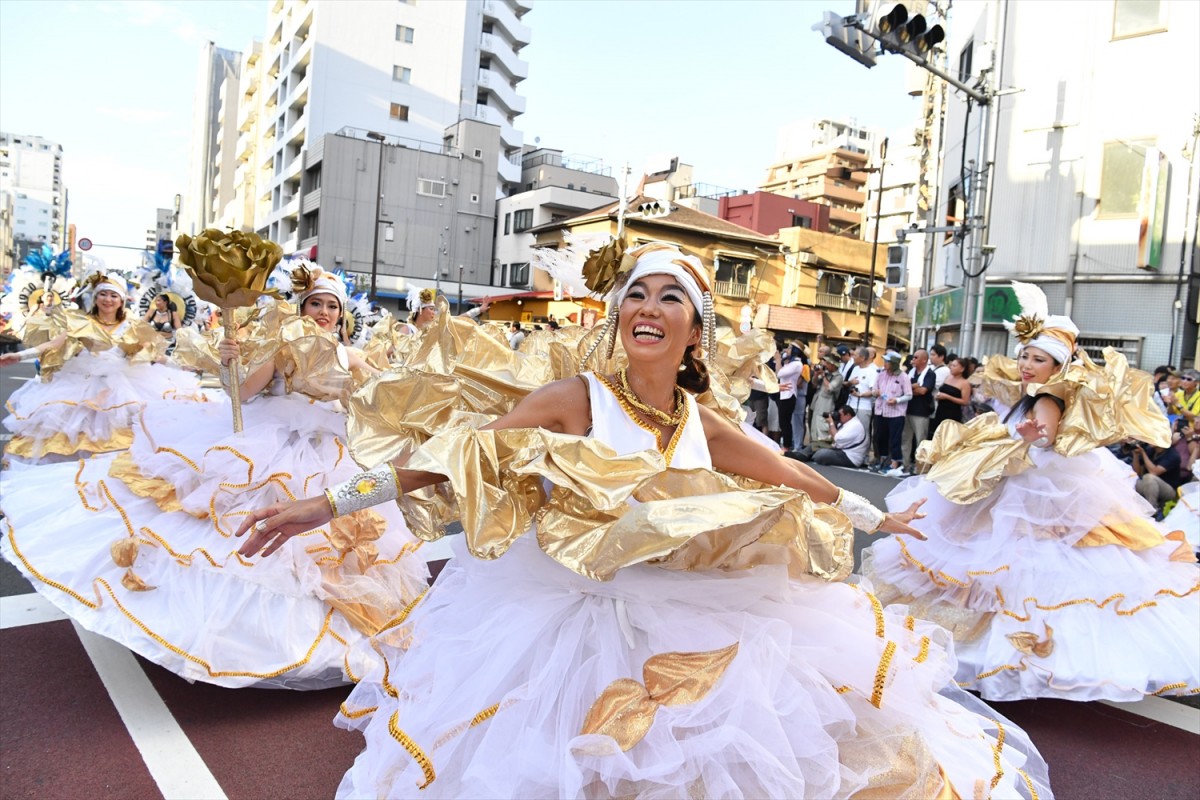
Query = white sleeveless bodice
x=613 y=426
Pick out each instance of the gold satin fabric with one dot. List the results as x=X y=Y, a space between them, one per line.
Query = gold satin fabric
x=139 y=342
x=162 y=492
x=1134 y=534
x=62 y=444
x=625 y=710
x=1103 y=405
x=683 y=520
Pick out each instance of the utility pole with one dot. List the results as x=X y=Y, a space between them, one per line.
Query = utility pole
x=378 y=137
x=875 y=245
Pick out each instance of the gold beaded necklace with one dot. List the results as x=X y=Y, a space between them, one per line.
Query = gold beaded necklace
x=661 y=417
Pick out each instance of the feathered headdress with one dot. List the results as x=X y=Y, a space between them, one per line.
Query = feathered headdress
x=308 y=279
x=1036 y=327
x=48 y=265
x=421 y=299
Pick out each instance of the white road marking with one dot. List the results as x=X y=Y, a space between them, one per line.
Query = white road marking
x=1159 y=709
x=27 y=609
x=173 y=762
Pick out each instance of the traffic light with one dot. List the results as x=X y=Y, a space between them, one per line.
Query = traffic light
x=846 y=38
x=897 y=30
x=896 y=274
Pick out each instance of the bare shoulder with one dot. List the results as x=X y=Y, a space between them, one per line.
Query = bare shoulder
x=561 y=406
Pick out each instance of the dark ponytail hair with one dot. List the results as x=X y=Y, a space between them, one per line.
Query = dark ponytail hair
x=693 y=375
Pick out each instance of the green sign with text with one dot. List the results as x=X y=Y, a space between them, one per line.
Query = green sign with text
x=946 y=308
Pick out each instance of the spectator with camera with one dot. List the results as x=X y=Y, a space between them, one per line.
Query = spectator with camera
x=848 y=447
x=1158 y=471
x=862 y=383
x=829 y=383
x=1186 y=400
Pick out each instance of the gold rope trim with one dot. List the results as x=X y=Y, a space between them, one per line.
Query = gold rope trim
x=885 y=663
x=909 y=623
x=933 y=576
x=1115 y=600
x=81 y=487
x=996 y=754
x=1033 y=795
x=877 y=609
x=101 y=582
x=843 y=689
x=386 y=682
x=924 y=652
x=413 y=749
x=356 y=713
x=88 y=404
x=404 y=612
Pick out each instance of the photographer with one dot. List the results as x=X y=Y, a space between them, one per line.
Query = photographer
x=1158 y=473
x=849 y=441
x=829 y=383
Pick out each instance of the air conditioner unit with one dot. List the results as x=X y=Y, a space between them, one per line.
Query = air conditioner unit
x=807 y=258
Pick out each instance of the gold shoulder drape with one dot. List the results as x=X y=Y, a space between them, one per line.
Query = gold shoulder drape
x=138 y=342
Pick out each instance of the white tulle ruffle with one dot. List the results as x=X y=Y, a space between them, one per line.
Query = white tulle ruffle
x=1035 y=611
x=487 y=685
x=285 y=621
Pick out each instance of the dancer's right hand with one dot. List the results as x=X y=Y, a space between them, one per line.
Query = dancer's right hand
x=274 y=525
x=229 y=351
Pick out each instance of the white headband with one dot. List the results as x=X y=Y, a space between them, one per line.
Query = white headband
x=108 y=285
x=666 y=262
x=325 y=283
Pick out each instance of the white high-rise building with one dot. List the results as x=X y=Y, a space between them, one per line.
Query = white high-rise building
x=806 y=136
x=210 y=171
x=31 y=171
x=408 y=70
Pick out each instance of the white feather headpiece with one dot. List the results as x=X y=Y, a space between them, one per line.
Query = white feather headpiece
x=1037 y=327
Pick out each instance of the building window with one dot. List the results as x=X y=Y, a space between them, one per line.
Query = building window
x=964 y=61
x=477 y=152
x=799 y=221
x=431 y=188
x=1137 y=17
x=1121 y=177
x=474 y=198
x=399 y=112
x=734 y=270
x=518 y=274
x=404 y=34
x=522 y=220
x=507 y=224
x=557 y=218
x=401 y=74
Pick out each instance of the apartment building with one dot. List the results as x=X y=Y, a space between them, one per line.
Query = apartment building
x=406 y=70
x=214 y=132
x=554 y=187
x=1094 y=190
x=833 y=176
x=31 y=170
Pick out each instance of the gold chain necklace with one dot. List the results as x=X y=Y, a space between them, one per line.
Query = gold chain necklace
x=661 y=417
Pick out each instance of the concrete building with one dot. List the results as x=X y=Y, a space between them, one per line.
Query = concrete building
x=1093 y=194
x=8 y=250
x=807 y=136
x=164 y=224
x=31 y=170
x=407 y=70
x=769 y=213
x=554 y=187
x=437 y=208
x=832 y=177
x=214 y=131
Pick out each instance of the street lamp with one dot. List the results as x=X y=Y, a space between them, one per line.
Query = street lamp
x=379 y=137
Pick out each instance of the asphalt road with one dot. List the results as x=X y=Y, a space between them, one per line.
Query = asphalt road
x=82 y=717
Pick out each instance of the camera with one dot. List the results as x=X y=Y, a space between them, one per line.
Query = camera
x=828 y=415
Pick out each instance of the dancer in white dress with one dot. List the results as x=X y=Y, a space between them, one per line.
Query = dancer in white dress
x=662 y=631
x=145 y=555
x=98 y=370
x=1042 y=559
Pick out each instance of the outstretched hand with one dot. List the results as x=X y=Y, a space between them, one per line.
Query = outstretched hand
x=9 y=358
x=898 y=521
x=274 y=525
x=1031 y=430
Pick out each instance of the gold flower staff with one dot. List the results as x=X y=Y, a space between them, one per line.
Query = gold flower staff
x=229 y=269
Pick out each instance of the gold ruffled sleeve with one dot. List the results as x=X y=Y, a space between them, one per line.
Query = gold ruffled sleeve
x=312 y=361
x=258 y=336
x=967 y=461
x=607 y=512
x=1102 y=405
x=141 y=344
x=82 y=331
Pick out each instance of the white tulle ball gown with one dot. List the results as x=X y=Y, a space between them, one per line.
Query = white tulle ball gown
x=521 y=677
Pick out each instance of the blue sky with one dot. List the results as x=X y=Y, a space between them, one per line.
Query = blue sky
x=710 y=81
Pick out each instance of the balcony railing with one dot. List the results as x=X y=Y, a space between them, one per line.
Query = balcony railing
x=733 y=289
x=840 y=301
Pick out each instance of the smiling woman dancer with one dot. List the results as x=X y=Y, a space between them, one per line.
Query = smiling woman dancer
x=1041 y=557
x=98 y=370
x=661 y=632
x=172 y=588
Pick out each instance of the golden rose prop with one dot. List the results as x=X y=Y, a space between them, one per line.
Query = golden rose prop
x=606 y=265
x=229 y=269
x=1027 y=328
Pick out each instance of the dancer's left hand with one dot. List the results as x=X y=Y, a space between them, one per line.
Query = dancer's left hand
x=898 y=521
